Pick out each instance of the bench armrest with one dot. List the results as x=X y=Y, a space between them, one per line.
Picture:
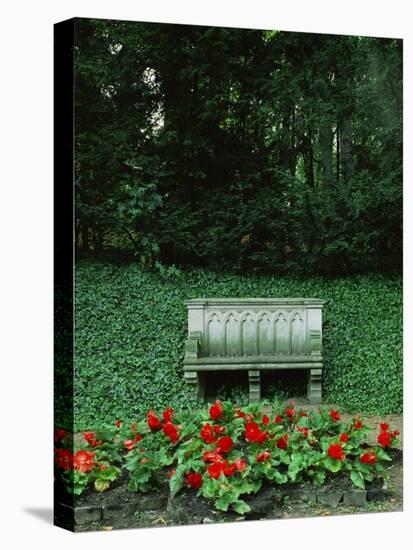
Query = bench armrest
x=193 y=345
x=315 y=342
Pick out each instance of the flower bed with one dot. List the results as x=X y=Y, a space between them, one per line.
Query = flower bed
x=228 y=458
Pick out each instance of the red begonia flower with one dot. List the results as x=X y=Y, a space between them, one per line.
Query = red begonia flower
x=289 y=412
x=215 y=470
x=278 y=419
x=251 y=431
x=282 y=442
x=240 y=464
x=303 y=430
x=153 y=421
x=212 y=456
x=118 y=423
x=225 y=444
x=384 y=439
x=219 y=430
x=64 y=459
x=384 y=427
x=344 y=438
x=336 y=451
x=89 y=436
x=358 y=424
x=59 y=434
x=170 y=431
x=228 y=468
x=194 y=480
x=167 y=414
x=335 y=415
x=129 y=444
x=368 y=458
x=265 y=455
x=265 y=419
x=215 y=411
x=208 y=434
x=82 y=461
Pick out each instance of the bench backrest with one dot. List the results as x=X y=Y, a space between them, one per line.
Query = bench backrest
x=256 y=326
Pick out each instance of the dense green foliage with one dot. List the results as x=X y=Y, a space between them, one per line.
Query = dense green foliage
x=272 y=151
x=131 y=325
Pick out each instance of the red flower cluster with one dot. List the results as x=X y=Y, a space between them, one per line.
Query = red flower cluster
x=168 y=428
x=59 y=434
x=167 y=414
x=282 y=441
x=335 y=415
x=278 y=419
x=215 y=411
x=212 y=456
x=358 y=424
x=368 y=458
x=290 y=412
x=194 y=480
x=223 y=466
x=265 y=419
x=90 y=437
x=209 y=433
x=303 y=430
x=253 y=434
x=344 y=438
x=225 y=444
x=82 y=461
x=240 y=464
x=170 y=431
x=154 y=422
x=336 y=451
x=64 y=459
x=265 y=455
x=129 y=444
x=384 y=439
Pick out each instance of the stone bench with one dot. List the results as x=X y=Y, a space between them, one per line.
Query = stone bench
x=254 y=334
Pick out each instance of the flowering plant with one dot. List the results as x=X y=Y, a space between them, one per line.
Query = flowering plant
x=224 y=453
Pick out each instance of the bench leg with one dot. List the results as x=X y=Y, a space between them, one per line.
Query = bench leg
x=255 y=385
x=314 y=386
x=197 y=382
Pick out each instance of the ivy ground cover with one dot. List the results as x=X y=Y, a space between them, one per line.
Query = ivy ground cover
x=130 y=328
x=223 y=452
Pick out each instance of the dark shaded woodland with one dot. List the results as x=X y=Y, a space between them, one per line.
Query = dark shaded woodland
x=238 y=149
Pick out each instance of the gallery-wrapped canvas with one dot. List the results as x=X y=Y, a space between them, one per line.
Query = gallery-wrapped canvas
x=228 y=274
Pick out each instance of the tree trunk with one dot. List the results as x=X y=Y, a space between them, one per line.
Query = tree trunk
x=308 y=157
x=326 y=146
x=338 y=152
x=347 y=164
